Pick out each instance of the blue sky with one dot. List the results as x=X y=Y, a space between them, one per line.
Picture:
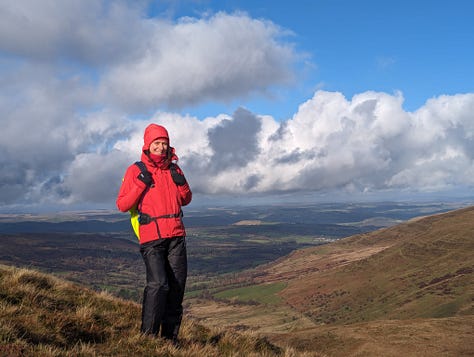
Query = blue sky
x=264 y=100
x=421 y=48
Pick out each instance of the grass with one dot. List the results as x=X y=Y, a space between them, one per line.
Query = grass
x=263 y=294
x=418 y=269
x=43 y=315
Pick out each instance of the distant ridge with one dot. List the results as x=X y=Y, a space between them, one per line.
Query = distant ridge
x=87 y=226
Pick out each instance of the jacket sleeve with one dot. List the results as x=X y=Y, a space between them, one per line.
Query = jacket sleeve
x=131 y=189
x=184 y=191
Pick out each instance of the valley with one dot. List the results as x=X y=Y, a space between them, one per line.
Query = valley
x=98 y=249
x=332 y=280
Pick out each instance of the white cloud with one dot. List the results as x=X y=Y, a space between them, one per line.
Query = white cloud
x=368 y=143
x=217 y=58
x=69 y=69
x=93 y=177
x=141 y=63
x=83 y=31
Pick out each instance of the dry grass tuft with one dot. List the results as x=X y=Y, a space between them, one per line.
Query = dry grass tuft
x=43 y=315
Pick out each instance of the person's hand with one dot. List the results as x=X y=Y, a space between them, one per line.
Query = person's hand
x=178 y=178
x=146 y=178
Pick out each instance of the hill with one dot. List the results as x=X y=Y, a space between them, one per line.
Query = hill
x=44 y=316
x=423 y=268
x=407 y=289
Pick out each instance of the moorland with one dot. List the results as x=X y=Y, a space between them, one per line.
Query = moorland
x=361 y=279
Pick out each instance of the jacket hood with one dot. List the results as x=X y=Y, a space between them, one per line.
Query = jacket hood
x=152 y=132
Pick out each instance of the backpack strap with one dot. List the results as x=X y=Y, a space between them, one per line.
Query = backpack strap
x=135 y=211
x=141 y=165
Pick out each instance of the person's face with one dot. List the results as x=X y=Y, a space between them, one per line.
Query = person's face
x=159 y=146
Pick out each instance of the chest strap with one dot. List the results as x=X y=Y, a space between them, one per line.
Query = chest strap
x=144 y=218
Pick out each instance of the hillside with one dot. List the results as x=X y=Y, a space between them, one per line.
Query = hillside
x=41 y=315
x=400 y=289
x=423 y=268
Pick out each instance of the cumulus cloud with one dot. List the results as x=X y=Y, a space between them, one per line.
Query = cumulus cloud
x=195 y=60
x=75 y=75
x=367 y=143
x=233 y=141
x=86 y=32
x=141 y=63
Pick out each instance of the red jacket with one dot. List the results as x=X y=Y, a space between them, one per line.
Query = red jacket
x=162 y=201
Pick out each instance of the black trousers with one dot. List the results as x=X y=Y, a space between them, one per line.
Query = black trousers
x=166 y=272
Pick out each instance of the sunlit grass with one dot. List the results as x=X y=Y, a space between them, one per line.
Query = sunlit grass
x=263 y=294
x=43 y=315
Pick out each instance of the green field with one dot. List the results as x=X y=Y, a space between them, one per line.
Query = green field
x=263 y=294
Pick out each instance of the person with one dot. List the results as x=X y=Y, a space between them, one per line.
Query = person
x=158 y=194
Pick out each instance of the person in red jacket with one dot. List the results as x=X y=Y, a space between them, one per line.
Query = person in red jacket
x=158 y=194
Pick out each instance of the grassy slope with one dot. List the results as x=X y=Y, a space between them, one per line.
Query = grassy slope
x=422 y=268
x=446 y=337
x=43 y=315
x=400 y=289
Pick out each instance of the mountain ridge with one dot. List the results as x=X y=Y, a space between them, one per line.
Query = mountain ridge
x=425 y=258
x=418 y=274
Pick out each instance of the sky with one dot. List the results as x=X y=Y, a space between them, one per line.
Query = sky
x=265 y=101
